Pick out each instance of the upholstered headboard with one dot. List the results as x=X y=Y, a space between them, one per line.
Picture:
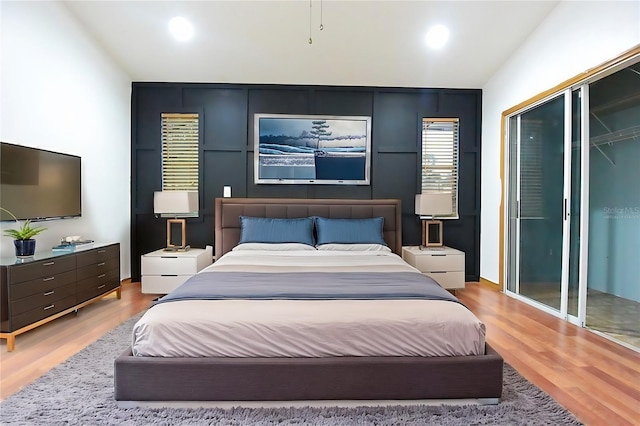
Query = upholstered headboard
x=228 y=212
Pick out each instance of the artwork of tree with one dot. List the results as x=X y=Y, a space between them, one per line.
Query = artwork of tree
x=319 y=129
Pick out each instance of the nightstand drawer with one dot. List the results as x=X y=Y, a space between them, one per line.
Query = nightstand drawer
x=444 y=264
x=448 y=280
x=158 y=284
x=169 y=265
x=439 y=263
x=163 y=272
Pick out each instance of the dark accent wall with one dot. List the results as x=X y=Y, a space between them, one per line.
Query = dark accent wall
x=226 y=152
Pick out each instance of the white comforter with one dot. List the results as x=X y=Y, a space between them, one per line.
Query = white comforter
x=308 y=328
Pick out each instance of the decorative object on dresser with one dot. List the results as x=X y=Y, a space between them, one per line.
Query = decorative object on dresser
x=23 y=241
x=71 y=244
x=50 y=285
x=430 y=206
x=163 y=272
x=443 y=264
x=176 y=204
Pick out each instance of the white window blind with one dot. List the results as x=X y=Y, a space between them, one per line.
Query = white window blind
x=180 y=151
x=531 y=170
x=440 y=146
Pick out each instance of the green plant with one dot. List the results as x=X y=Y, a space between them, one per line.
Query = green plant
x=24 y=232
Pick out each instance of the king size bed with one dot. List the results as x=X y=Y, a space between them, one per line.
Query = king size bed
x=308 y=300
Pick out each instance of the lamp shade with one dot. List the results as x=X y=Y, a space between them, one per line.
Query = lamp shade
x=175 y=202
x=434 y=204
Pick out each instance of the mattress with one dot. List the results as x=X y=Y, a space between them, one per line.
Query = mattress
x=242 y=327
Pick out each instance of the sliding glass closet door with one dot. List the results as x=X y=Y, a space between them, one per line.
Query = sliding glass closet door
x=537 y=211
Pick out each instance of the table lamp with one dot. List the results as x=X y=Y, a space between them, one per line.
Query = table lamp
x=175 y=204
x=429 y=206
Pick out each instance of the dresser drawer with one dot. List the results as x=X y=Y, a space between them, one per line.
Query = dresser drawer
x=43 y=298
x=159 y=284
x=98 y=255
x=95 y=286
x=31 y=271
x=169 y=265
x=41 y=312
x=41 y=285
x=96 y=269
x=448 y=280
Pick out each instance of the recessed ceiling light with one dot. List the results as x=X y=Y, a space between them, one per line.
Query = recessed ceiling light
x=180 y=28
x=437 y=37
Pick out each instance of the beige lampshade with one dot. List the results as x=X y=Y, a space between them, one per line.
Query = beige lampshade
x=175 y=203
x=436 y=204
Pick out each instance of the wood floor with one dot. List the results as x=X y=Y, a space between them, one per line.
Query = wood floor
x=40 y=349
x=594 y=378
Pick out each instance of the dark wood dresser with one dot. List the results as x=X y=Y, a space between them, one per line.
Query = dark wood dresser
x=49 y=285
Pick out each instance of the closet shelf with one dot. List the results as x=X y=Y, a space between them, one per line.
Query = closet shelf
x=632 y=132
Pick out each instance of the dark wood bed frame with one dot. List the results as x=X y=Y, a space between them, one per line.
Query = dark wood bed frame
x=149 y=379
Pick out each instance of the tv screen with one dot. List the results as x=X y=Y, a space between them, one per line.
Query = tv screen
x=312 y=149
x=36 y=184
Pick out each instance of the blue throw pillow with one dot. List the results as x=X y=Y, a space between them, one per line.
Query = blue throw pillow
x=271 y=230
x=350 y=231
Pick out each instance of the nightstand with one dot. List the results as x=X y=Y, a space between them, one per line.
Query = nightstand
x=443 y=264
x=163 y=271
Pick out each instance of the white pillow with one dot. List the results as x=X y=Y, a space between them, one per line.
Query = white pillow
x=273 y=246
x=354 y=247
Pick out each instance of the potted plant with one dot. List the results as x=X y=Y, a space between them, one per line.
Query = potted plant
x=23 y=236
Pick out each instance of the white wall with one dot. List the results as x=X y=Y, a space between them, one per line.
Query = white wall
x=576 y=36
x=60 y=91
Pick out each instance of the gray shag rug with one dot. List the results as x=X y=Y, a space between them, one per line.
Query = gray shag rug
x=80 y=392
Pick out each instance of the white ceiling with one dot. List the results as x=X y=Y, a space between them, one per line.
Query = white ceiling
x=364 y=43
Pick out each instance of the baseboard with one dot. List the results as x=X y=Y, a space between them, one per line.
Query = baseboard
x=489 y=282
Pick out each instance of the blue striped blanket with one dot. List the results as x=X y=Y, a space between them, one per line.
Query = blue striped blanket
x=308 y=286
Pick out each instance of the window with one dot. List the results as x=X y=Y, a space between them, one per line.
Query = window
x=180 y=150
x=440 y=158
x=531 y=169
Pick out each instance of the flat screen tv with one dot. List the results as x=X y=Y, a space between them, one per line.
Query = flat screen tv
x=312 y=149
x=37 y=184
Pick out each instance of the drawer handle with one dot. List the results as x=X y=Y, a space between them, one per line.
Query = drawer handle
x=439 y=254
x=102 y=275
x=49 y=293
x=48 y=263
x=168 y=257
x=438 y=272
x=102 y=251
x=46 y=308
x=49 y=279
x=168 y=275
x=102 y=263
x=101 y=286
